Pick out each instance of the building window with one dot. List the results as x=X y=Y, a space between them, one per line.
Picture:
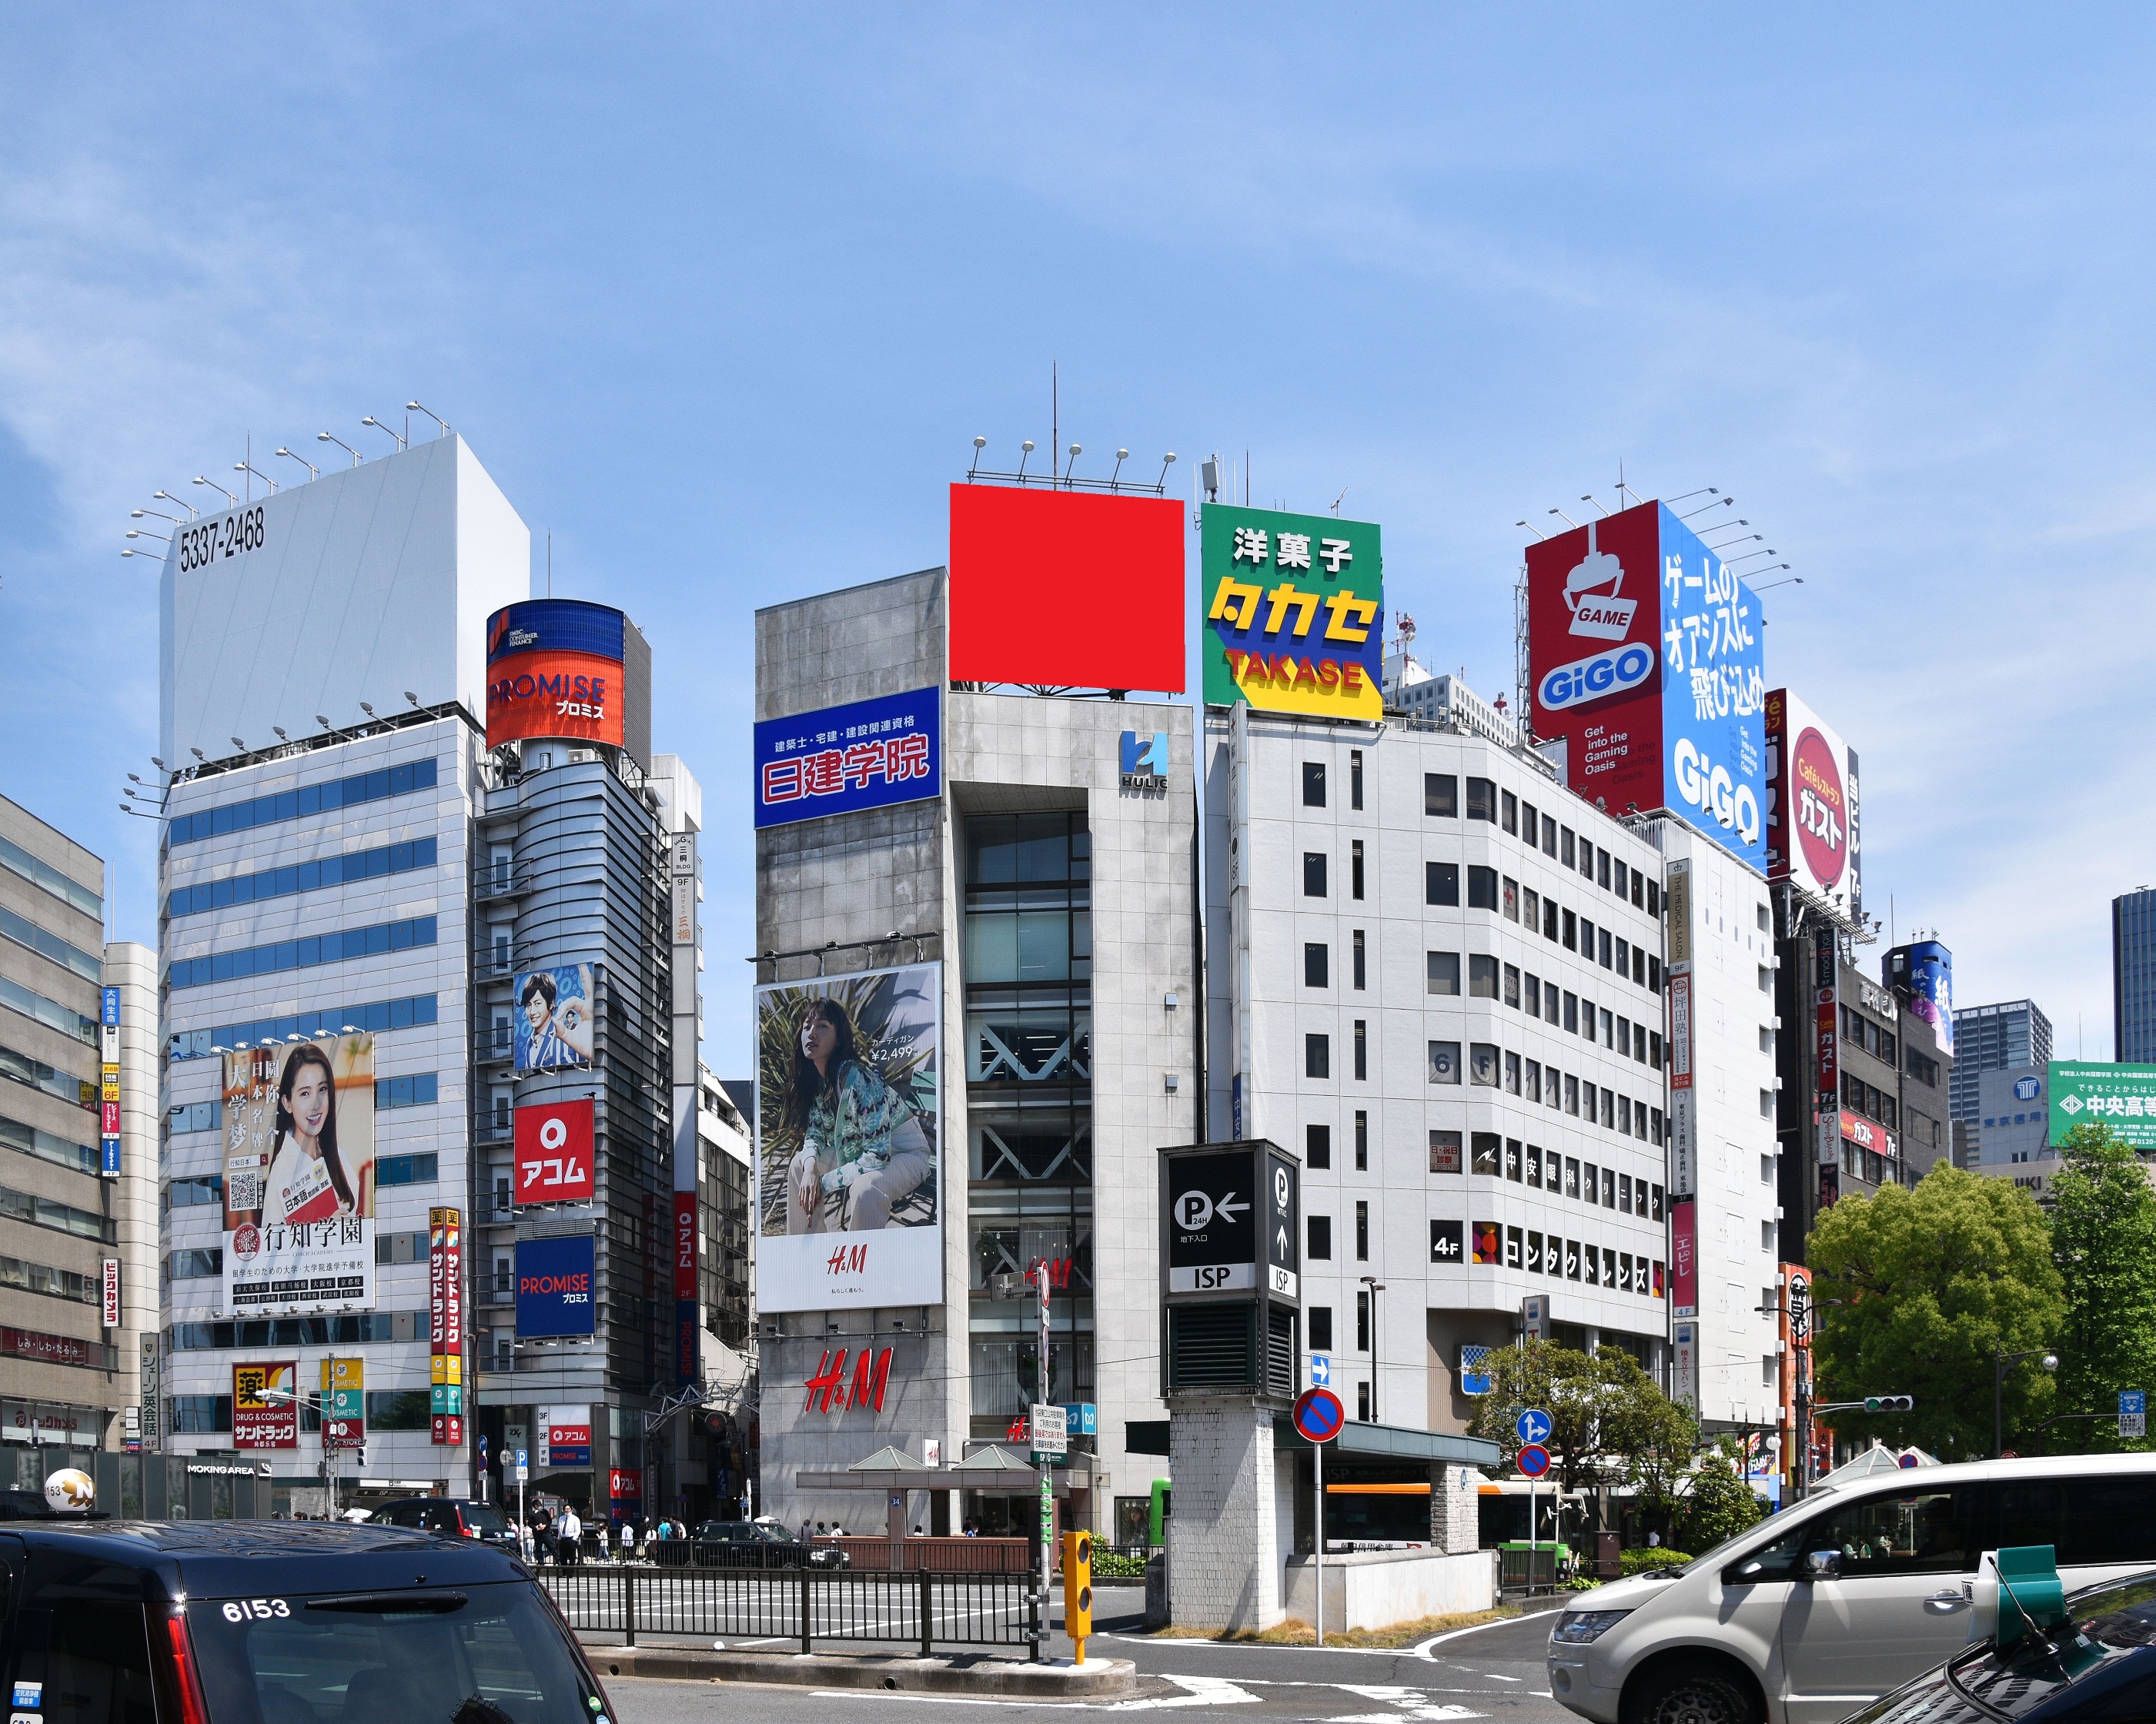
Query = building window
x=302 y=954
x=1362 y=1140
x=1355 y=868
x=1316 y=1056
x=1314 y=964
x=1317 y=1230
x=1513 y=1073
x=1510 y=807
x=1654 y=900
x=1586 y=860
x=1481 y=977
x=1482 y=1063
x=1489 y=1151
x=1354 y=778
x=1601 y=870
x=1565 y=851
x=1445 y=1152
x=1321 y=1328
x=1441 y=795
x=1444 y=1063
x=1444 y=972
x=1602 y=947
x=1362 y=972
x=1362 y=1051
x=1362 y=1340
x=1513 y=986
x=1482 y=799
x=1515 y=1161
x=1361 y=1232
x=1767 y=1236
x=1509 y=896
x=1317 y=1146
x=1549 y=919
x=406 y=1169
x=1313 y=784
x=1313 y=873
x=196 y=1415
x=1441 y=882
x=1766 y=980
x=1571 y=931
x=1482 y=888
x=1572 y=1014
x=195 y=1265
x=1766 y=1104
x=417 y=1090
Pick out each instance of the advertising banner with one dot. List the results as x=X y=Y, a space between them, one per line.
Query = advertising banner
x=1684 y=1360
x=554 y=671
x=1931 y=990
x=1867 y=1134
x=344 y=1383
x=866 y=754
x=568 y=1437
x=684 y=1245
x=2121 y=1098
x=1812 y=824
x=445 y=1309
x=299 y=1177
x=555 y=1011
x=849 y=1131
x=1646 y=657
x=1680 y=1030
x=1294 y=613
x=259 y=1419
x=553 y=1152
x=554 y=1286
x=109 y=1289
x=1066 y=588
x=1684 y=1258
x=1684 y=1141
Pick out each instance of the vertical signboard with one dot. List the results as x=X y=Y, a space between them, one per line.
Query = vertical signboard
x=445 y=1308
x=265 y=1406
x=299 y=1177
x=1294 y=613
x=1684 y=1258
x=344 y=1387
x=109 y=1097
x=152 y=1393
x=848 y=1138
x=1684 y=1365
x=1647 y=663
x=688 y=1325
x=1684 y=1098
x=110 y=1291
x=1812 y=818
x=1931 y=990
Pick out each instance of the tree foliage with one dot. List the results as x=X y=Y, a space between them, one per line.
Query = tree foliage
x=1719 y=1505
x=1934 y=1282
x=2103 y=1241
x=1609 y=1422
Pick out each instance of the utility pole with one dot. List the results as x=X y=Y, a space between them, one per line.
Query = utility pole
x=1041 y=1460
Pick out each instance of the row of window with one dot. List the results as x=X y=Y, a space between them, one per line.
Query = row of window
x=22 y=1069
x=1859 y=1031
x=345 y=869
x=1869 y=1100
x=1488 y=1066
x=1487 y=889
x=308 y=799
x=50 y=1012
x=53 y=1283
x=43 y=874
x=61 y=1218
x=416 y=1090
x=303 y=954
x=25 y=932
x=49 y=1147
x=1497 y=1157
x=1487 y=980
x=1560 y=1258
x=377 y=1015
x=389 y=1409
x=346 y=1330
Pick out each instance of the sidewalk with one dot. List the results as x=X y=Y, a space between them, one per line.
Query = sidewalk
x=976 y=1673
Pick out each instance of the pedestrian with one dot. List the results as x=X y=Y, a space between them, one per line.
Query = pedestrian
x=628 y=1538
x=568 y=1530
x=805 y=1534
x=540 y=1525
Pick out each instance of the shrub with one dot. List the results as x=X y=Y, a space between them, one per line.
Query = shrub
x=1640 y=1562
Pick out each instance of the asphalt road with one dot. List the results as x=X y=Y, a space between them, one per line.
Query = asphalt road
x=1495 y=1672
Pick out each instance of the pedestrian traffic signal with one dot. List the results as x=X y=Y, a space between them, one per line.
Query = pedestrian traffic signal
x=1078 y=1589
x=1889 y=1403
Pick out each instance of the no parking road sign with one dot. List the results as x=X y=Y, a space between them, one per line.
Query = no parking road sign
x=1534 y=1461
x=1533 y=1425
x=1318 y=1415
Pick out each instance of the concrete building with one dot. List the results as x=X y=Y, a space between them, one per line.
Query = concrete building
x=2134 y=977
x=66 y=1375
x=1050 y=892
x=1994 y=1038
x=1436 y=976
x=2015 y=1123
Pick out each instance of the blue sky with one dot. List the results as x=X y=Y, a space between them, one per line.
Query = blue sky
x=721 y=297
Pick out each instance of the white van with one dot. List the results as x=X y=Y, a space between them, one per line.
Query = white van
x=1825 y=1606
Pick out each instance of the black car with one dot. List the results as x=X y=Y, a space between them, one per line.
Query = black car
x=2096 y=1667
x=237 y=1622
x=760 y=1544
x=456 y=1516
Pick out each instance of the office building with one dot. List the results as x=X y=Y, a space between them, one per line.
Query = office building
x=2134 y=977
x=1994 y=1038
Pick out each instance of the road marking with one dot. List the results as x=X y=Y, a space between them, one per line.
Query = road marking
x=1493 y=1676
x=1422 y=1648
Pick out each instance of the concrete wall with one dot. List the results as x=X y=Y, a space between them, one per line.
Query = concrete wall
x=1223 y=1539
x=1375 y=1590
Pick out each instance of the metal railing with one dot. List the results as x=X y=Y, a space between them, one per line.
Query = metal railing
x=803 y=1605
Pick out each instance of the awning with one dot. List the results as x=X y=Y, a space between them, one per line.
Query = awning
x=1395 y=1442
x=993 y=1468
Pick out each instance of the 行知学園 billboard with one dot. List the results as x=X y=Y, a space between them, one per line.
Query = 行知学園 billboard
x=1293 y=608
x=299 y=1177
x=849 y=1122
x=553 y=1018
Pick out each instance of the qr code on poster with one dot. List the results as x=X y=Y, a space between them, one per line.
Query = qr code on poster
x=244 y=1190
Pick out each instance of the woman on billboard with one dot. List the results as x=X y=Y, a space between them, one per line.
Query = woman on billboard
x=859 y=1139
x=308 y=1179
x=558 y=1038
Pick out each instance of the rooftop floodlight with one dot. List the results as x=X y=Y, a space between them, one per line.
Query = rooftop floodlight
x=193 y=513
x=386 y=430
x=1077 y=451
x=325 y=437
x=1531 y=528
x=239 y=745
x=230 y=499
x=134 y=532
x=280 y=730
x=1588 y=497
x=414 y=407
x=1166 y=461
x=367 y=709
x=979 y=443
x=324 y=722
x=242 y=467
x=412 y=697
x=1564 y=517
x=1025 y=450
x=313 y=471
x=1122 y=456
x=197 y=752
x=158 y=763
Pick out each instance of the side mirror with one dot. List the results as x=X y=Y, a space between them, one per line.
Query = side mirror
x=1823 y=1565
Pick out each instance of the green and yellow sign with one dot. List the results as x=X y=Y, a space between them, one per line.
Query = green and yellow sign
x=1294 y=613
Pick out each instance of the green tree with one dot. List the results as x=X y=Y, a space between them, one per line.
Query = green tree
x=1608 y=1420
x=2103 y=1240
x=1932 y=1282
x=1719 y=1505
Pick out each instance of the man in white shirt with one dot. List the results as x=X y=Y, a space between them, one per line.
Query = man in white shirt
x=568 y=1531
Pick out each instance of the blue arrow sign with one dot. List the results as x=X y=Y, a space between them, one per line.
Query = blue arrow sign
x=1320 y=1371
x=1533 y=1425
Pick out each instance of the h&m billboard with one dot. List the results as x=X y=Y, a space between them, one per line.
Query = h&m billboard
x=1647 y=662
x=1813 y=825
x=1294 y=613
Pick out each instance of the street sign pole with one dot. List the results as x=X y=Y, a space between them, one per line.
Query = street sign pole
x=1043 y=1463
x=1318 y=1417
x=1319 y=1452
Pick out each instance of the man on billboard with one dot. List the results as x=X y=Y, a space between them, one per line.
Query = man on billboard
x=554 y=1018
x=863 y=1149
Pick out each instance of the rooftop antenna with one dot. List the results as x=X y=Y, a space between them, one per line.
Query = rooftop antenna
x=1623 y=488
x=550 y=562
x=1336 y=502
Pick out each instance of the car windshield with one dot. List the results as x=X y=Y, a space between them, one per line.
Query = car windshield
x=776 y=1535
x=483 y=1519
x=473 y=1655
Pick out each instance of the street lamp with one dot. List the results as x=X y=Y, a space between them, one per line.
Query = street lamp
x=2001 y=1362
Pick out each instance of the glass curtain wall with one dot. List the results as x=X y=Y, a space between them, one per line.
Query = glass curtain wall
x=1028 y=970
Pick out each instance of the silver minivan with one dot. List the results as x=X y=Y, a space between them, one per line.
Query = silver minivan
x=1826 y=1606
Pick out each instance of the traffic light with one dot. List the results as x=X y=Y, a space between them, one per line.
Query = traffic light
x=1889 y=1403
x=1078 y=1589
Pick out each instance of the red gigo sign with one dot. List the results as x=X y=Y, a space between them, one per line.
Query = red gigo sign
x=554 y=1152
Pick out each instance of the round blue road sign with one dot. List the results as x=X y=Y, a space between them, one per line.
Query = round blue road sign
x=1534 y=1461
x=1319 y=1415
x=1533 y=1425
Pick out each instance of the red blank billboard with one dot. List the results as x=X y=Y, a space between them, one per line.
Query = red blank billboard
x=1066 y=588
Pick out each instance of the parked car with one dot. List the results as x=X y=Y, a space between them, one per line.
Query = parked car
x=1766 y=1627
x=238 y=1622
x=761 y=1544
x=2096 y=1667
x=458 y=1516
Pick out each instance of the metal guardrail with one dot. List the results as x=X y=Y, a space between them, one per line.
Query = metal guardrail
x=922 y=1607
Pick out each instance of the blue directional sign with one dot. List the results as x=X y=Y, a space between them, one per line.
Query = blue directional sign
x=1533 y=1425
x=1320 y=1371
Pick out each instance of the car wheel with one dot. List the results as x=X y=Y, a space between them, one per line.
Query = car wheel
x=1691 y=1694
